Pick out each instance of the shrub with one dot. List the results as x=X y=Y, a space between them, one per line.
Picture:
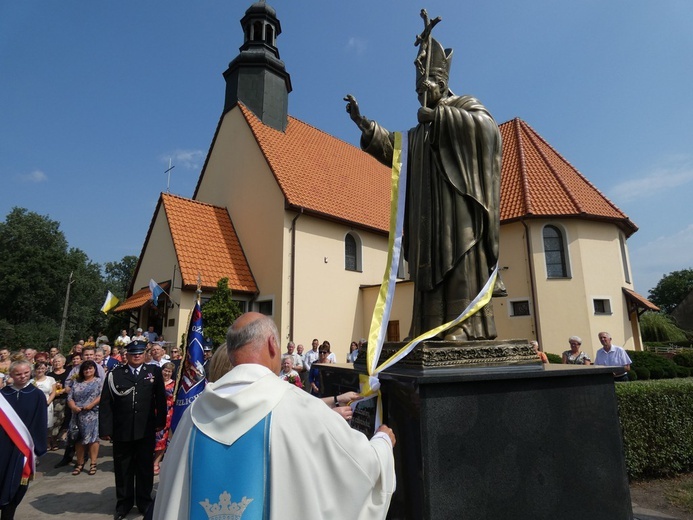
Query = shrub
x=657 y=373
x=658 y=365
x=684 y=358
x=683 y=372
x=657 y=426
x=633 y=375
x=554 y=358
x=642 y=372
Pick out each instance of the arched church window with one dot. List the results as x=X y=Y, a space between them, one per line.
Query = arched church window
x=555 y=253
x=352 y=252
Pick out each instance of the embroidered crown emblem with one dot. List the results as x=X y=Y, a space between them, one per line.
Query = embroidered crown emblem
x=225 y=509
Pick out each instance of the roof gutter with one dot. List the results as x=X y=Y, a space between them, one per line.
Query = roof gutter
x=292 y=289
x=532 y=282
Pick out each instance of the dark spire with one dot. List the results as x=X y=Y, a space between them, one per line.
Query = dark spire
x=257 y=77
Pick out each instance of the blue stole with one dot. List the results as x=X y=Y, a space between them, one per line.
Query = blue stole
x=230 y=482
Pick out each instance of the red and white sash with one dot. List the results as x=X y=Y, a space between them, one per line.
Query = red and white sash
x=20 y=436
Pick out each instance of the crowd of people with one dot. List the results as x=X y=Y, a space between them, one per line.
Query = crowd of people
x=125 y=395
x=73 y=388
x=73 y=391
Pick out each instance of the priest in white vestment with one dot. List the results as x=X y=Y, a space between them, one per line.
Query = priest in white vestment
x=340 y=474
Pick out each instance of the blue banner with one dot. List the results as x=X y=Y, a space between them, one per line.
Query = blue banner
x=191 y=374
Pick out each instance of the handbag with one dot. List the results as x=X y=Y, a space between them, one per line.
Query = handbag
x=73 y=433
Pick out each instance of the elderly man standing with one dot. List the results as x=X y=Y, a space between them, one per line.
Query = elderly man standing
x=132 y=410
x=242 y=430
x=296 y=360
x=23 y=423
x=612 y=356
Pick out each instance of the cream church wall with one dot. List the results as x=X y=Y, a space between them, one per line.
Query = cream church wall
x=595 y=271
x=326 y=300
x=237 y=177
x=514 y=271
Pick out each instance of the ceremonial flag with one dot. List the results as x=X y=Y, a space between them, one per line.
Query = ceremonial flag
x=191 y=374
x=111 y=301
x=156 y=291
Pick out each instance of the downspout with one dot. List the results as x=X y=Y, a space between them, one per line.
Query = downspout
x=532 y=281
x=292 y=288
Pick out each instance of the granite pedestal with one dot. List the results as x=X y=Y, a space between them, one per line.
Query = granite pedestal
x=502 y=442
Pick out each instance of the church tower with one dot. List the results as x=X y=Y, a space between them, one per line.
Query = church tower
x=257 y=77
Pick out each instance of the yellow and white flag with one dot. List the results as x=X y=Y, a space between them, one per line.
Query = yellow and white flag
x=111 y=301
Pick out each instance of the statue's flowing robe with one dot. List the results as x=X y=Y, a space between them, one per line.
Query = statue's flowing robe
x=338 y=473
x=452 y=223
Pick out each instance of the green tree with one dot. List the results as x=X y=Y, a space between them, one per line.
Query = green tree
x=219 y=312
x=119 y=275
x=656 y=326
x=35 y=267
x=672 y=289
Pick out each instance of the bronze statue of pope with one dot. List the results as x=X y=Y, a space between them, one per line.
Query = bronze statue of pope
x=451 y=226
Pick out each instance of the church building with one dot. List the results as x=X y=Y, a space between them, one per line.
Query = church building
x=273 y=211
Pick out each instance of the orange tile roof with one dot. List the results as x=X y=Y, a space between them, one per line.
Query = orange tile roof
x=639 y=300
x=140 y=298
x=206 y=243
x=537 y=181
x=324 y=175
x=135 y=301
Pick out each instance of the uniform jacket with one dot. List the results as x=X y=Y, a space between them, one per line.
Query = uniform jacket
x=132 y=408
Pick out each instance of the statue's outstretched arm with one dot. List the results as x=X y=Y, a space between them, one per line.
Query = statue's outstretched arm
x=354 y=112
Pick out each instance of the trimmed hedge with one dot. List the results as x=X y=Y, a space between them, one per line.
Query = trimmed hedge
x=684 y=358
x=660 y=367
x=657 y=426
x=554 y=358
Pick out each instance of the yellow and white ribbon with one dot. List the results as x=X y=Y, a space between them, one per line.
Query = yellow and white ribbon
x=381 y=314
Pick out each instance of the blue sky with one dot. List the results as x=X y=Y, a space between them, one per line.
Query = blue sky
x=96 y=97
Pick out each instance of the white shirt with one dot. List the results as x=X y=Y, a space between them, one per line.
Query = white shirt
x=309 y=358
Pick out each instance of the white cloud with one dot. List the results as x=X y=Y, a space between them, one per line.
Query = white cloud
x=356 y=45
x=34 y=177
x=660 y=180
x=188 y=159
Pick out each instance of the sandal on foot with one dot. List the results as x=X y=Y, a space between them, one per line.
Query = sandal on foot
x=78 y=469
x=157 y=469
x=92 y=469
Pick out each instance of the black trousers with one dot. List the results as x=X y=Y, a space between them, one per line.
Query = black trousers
x=9 y=508
x=133 y=463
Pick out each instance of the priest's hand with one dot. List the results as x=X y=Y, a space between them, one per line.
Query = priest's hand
x=388 y=431
x=347 y=398
x=105 y=437
x=345 y=411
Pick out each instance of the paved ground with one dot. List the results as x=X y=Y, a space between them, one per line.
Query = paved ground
x=57 y=494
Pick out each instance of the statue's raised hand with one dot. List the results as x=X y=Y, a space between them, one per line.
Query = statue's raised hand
x=353 y=109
